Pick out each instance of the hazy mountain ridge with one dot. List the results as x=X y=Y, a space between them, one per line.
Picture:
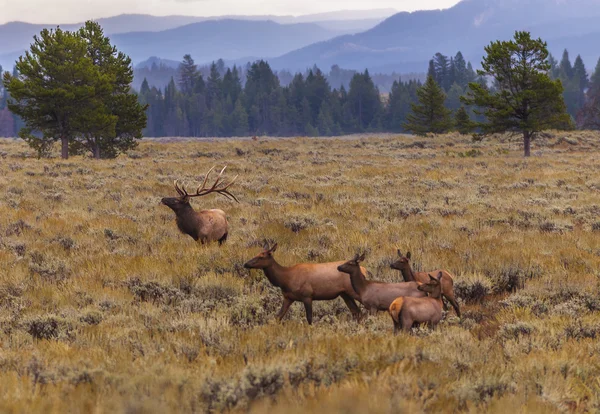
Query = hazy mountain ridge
x=407 y=39
x=15 y=37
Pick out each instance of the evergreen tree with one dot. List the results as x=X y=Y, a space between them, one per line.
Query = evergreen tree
x=565 y=68
x=453 y=99
x=462 y=121
x=429 y=115
x=213 y=87
x=56 y=88
x=364 y=101
x=261 y=85
x=188 y=75
x=442 y=71
x=527 y=101
x=118 y=104
x=554 y=71
x=461 y=76
x=589 y=117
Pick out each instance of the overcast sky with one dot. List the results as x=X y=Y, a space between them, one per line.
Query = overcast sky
x=73 y=11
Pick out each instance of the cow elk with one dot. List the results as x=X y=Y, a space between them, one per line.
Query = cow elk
x=403 y=265
x=405 y=311
x=376 y=296
x=306 y=282
x=204 y=225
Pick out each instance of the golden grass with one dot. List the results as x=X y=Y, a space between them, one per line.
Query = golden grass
x=106 y=307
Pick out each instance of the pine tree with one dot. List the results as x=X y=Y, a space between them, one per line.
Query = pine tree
x=461 y=77
x=589 y=117
x=527 y=100
x=55 y=89
x=188 y=75
x=462 y=121
x=213 y=87
x=565 y=68
x=364 y=101
x=119 y=104
x=453 y=98
x=429 y=115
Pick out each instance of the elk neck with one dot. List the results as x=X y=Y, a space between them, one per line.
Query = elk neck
x=276 y=274
x=358 y=280
x=407 y=273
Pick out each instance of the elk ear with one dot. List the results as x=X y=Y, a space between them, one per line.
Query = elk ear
x=273 y=249
x=399 y=253
x=433 y=278
x=266 y=246
x=408 y=255
x=361 y=258
x=439 y=276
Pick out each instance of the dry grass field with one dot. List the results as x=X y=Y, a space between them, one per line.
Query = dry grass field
x=105 y=307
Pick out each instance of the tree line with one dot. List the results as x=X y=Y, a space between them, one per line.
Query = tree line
x=75 y=87
x=225 y=105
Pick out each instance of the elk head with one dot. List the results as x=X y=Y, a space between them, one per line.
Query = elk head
x=350 y=265
x=264 y=259
x=433 y=287
x=403 y=261
x=183 y=201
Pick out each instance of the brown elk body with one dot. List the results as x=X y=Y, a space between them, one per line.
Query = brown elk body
x=204 y=225
x=405 y=311
x=376 y=296
x=306 y=282
x=403 y=265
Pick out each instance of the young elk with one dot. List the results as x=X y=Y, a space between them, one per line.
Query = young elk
x=403 y=265
x=406 y=311
x=376 y=296
x=205 y=225
x=305 y=282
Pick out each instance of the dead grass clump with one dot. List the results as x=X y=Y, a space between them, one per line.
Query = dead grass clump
x=17 y=228
x=50 y=268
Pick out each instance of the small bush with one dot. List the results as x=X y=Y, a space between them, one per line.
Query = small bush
x=472 y=291
x=49 y=327
x=299 y=223
x=515 y=330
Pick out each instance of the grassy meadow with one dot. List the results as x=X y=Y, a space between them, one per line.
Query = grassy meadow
x=105 y=307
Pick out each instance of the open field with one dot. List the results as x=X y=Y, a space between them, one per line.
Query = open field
x=105 y=307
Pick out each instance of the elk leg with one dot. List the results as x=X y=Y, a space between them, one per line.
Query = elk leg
x=351 y=305
x=454 y=304
x=284 y=308
x=308 y=308
x=396 y=327
x=223 y=239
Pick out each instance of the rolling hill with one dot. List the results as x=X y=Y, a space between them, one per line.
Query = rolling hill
x=406 y=41
x=227 y=39
x=15 y=37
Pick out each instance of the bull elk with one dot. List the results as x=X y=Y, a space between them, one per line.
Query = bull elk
x=405 y=311
x=376 y=296
x=403 y=265
x=306 y=282
x=204 y=225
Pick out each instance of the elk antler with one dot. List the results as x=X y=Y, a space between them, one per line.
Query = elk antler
x=202 y=190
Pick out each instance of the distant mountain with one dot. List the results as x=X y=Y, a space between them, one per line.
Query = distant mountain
x=406 y=41
x=15 y=37
x=227 y=39
x=154 y=60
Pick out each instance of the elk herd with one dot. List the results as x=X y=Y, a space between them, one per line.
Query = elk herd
x=417 y=300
